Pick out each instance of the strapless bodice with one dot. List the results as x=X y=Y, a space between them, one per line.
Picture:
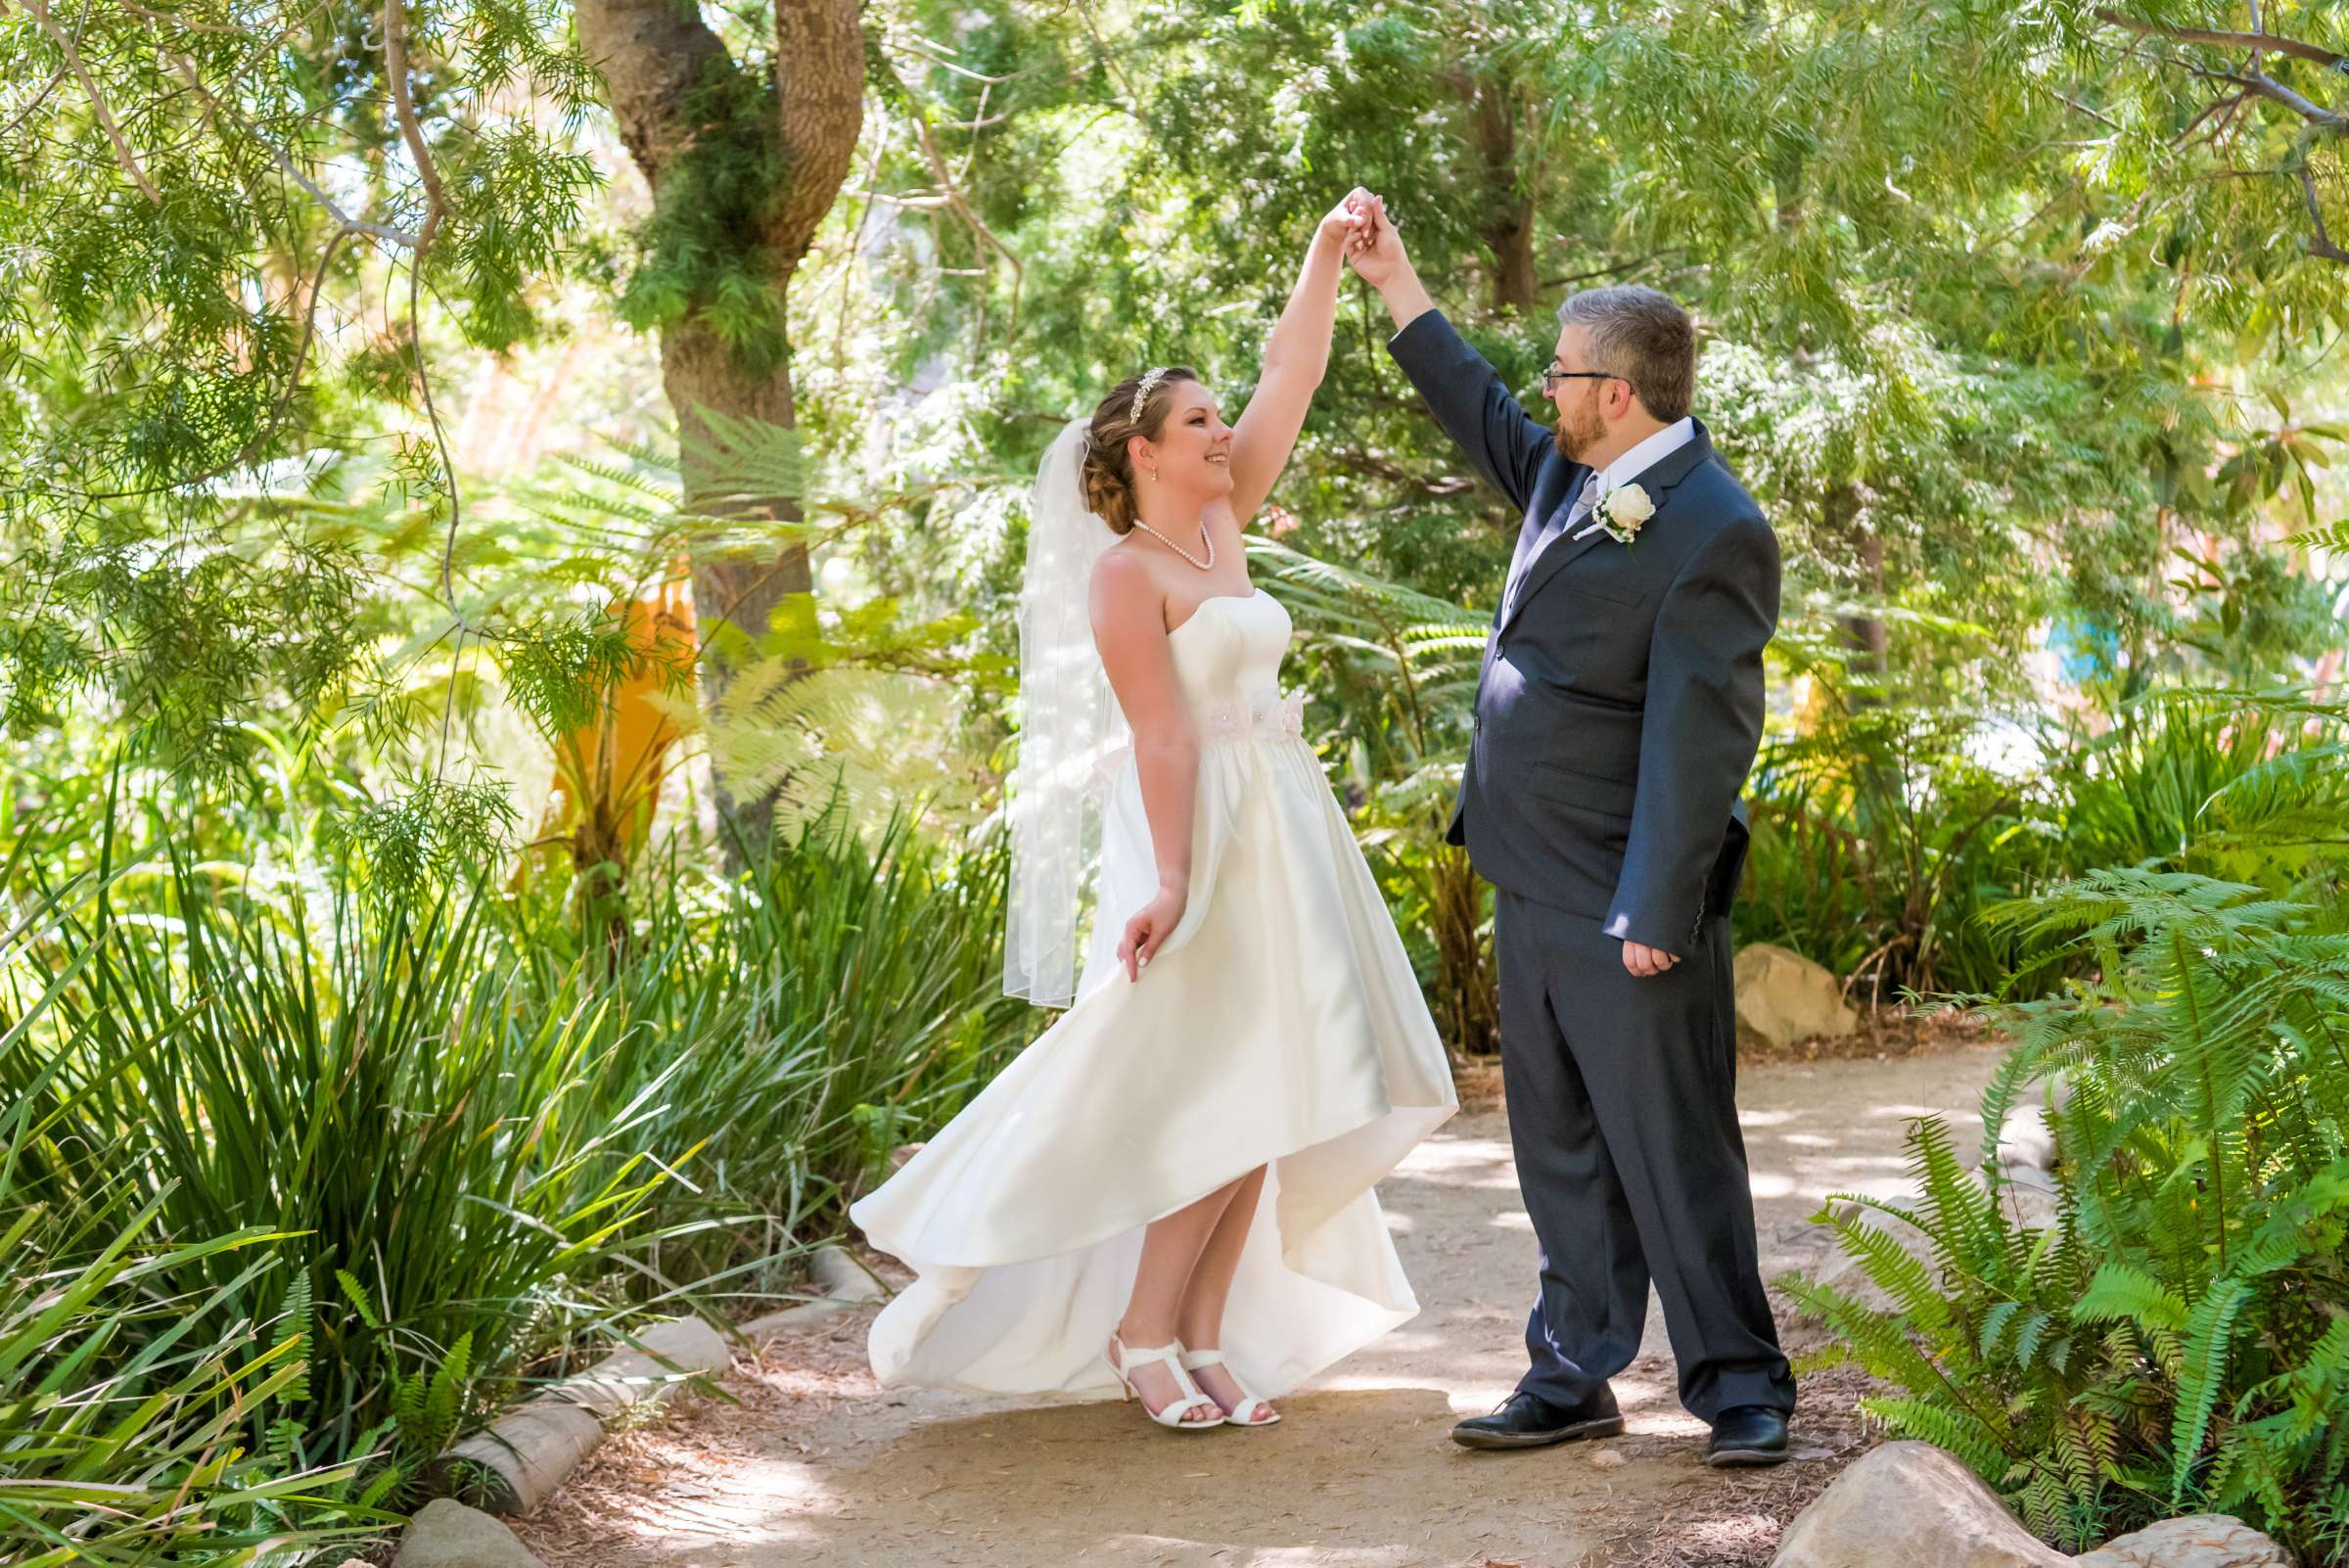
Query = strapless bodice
x=1227 y=657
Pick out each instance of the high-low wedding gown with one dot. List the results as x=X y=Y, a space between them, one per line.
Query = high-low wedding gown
x=1278 y=1023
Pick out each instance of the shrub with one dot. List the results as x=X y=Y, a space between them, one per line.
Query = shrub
x=2179 y=1340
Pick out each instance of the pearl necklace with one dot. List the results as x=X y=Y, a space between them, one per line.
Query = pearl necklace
x=1205 y=539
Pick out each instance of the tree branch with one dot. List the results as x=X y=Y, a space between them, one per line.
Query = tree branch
x=2322 y=244
x=213 y=109
x=2269 y=88
x=89 y=87
x=819 y=71
x=2256 y=42
x=652 y=54
x=950 y=195
x=411 y=130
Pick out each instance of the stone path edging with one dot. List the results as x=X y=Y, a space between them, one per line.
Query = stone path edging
x=519 y=1460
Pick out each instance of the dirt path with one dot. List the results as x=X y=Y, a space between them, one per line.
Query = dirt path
x=816 y=1465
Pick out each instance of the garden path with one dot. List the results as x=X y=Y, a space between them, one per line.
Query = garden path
x=817 y=1465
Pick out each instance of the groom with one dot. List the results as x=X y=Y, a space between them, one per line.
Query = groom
x=1618 y=710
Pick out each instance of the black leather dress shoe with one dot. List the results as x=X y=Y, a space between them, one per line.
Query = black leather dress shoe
x=1529 y=1421
x=1747 y=1434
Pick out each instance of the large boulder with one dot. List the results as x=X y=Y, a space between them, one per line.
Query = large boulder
x=449 y=1535
x=1909 y=1503
x=1784 y=997
x=2204 y=1540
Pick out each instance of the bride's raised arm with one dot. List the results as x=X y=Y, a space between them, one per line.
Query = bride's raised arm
x=1295 y=358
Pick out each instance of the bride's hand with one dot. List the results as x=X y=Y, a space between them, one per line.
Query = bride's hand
x=1349 y=221
x=1149 y=929
x=1376 y=254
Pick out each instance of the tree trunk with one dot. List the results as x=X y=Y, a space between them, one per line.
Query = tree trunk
x=1509 y=222
x=1866 y=636
x=668 y=77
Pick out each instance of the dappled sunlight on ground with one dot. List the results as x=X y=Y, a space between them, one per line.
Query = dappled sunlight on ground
x=819 y=1466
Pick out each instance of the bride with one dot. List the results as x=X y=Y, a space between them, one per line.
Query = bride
x=1170 y=1189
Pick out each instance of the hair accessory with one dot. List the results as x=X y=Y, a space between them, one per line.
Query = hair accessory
x=1141 y=393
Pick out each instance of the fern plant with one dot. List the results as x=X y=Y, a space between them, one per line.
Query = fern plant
x=2178 y=1339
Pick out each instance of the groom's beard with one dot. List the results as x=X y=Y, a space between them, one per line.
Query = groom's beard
x=1578 y=431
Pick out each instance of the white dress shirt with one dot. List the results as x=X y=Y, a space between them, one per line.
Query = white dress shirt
x=1648 y=454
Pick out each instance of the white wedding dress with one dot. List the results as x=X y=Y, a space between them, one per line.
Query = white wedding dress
x=1279 y=1023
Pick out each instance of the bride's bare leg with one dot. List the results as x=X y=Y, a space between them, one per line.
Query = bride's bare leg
x=1200 y=1320
x=1170 y=1251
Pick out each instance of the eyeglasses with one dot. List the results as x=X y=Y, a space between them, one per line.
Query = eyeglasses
x=1551 y=376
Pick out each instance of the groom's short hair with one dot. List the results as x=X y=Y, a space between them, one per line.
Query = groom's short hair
x=1642 y=334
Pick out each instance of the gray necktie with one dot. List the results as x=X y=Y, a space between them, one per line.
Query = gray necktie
x=1557 y=524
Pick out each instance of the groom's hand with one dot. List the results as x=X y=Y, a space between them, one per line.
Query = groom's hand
x=1378 y=253
x=1642 y=960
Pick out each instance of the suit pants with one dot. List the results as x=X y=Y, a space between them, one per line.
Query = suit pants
x=1623 y=1118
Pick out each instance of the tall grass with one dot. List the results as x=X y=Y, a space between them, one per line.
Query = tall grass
x=366 y=1170
x=125 y=1412
x=437 y=1145
x=844 y=997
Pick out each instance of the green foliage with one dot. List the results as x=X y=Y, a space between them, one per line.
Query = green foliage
x=123 y=1420
x=693 y=260
x=431 y=835
x=811 y=998
x=1880 y=839
x=2173 y=1341
x=202 y=207
x=453 y=1147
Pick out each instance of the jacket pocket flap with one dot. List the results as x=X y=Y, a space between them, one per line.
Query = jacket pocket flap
x=1612 y=796
x=1628 y=594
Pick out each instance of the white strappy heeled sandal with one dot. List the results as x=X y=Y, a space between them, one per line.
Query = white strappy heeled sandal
x=1122 y=1357
x=1260 y=1410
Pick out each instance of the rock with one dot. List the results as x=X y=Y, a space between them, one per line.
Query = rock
x=519 y=1461
x=2204 y=1540
x=672 y=1351
x=449 y=1535
x=2025 y=1141
x=527 y=1452
x=1607 y=1460
x=1784 y=997
x=842 y=1276
x=1909 y=1503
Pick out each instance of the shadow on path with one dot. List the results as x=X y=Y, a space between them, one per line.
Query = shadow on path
x=817 y=1465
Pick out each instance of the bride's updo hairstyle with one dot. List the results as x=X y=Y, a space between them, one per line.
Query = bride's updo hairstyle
x=1108 y=480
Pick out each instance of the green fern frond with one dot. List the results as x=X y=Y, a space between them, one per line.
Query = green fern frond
x=1944 y=1427
x=2120 y=1291
x=2209 y=1343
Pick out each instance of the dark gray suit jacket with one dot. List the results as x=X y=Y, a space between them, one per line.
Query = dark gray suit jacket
x=1620 y=705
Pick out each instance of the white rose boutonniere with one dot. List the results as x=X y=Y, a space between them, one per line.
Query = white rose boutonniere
x=1622 y=511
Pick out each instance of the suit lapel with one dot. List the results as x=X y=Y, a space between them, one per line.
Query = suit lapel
x=1659 y=480
x=1557 y=483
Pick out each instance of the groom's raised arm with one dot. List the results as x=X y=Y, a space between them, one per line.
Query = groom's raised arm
x=1477 y=412
x=1702 y=728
